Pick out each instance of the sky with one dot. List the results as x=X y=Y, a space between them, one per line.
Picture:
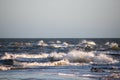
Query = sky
x=59 y=18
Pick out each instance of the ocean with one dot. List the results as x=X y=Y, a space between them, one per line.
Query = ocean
x=60 y=59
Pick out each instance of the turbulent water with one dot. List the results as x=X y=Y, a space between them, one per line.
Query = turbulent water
x=58 y=59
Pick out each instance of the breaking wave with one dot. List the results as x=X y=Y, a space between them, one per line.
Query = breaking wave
x=5 y=67
x=73 y=57
x=113 y=45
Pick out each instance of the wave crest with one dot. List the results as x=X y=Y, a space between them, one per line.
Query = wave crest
x=73 y=57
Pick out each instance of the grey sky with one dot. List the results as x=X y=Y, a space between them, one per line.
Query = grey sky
x=59 y=18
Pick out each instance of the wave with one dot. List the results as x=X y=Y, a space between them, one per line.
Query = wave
x=40 y=43
x=23 y=55
x=5 y=67
x=113 y=45
x=87 y=45
x=58 y=46
x=36 y=64
x=74 y=56
x=64 y=74
x=104 y=59
x=79 y=56
x=88 y=42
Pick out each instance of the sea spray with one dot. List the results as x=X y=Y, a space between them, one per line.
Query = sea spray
x=103 y=59
x=56 y=56
x=79 y=56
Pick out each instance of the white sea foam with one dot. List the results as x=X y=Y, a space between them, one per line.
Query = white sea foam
x=73 y=57
x=59 y=45
x=56 y=63
x=23 y=55
x=58 y=42
x=102 y=58
x=79 y=56
x=4 y=68
x=112 y=45
x=64 y=74
x=56 y=56
x=87 y=44
x=89 y=75
x=40 y=43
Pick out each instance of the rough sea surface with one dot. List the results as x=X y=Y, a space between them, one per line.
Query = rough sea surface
x=60 y=59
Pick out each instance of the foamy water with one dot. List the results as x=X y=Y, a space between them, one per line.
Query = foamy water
x=63 y=59
x=74 y=57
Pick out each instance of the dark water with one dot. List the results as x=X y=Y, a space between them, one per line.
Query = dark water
x=58 y=59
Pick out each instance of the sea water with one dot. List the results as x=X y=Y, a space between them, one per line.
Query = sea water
x=58 y=59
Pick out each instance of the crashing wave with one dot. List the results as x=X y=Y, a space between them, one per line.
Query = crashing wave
x=80 y=56
x=113 y=45
x=88 y=42
x=40 y=43
x=23 y=55
x=104 y=59
x=59 y=45
x=87 y=45
x=73 y=56
x=58 y=42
